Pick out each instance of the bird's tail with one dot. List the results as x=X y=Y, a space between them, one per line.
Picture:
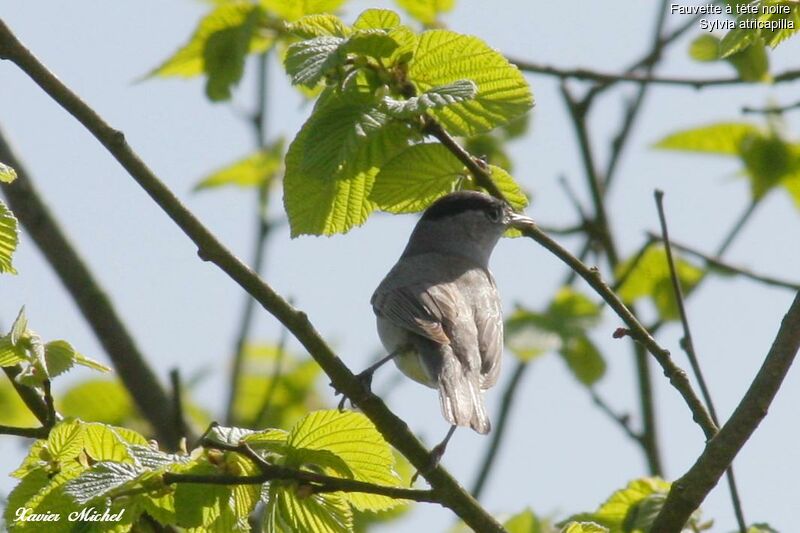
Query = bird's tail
x=461 y=397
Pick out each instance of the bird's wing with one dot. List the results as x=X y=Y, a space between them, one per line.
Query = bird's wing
x=489 y=323
x=415 y=308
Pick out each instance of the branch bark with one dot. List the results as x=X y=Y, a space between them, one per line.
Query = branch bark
x=688 y=492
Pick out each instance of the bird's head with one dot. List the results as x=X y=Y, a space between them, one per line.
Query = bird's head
x=464 y=223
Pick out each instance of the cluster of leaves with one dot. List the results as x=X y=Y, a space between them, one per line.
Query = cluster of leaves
x=40 y=361
x=84 y=465
x=361 y=149
x=761 y=27
x=9 y=232
x=563 y=327
x=770 y=160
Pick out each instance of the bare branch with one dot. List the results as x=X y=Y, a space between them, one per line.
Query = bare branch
x=688 y=492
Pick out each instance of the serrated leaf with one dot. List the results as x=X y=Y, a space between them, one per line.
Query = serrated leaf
x=228 y=435
x=509 y=187
x=199 y=505
x=320 y=513
x=292 y=10
x=307 y=61
x=19 y=328
x=622 y=505
x=82 y=360
x=100 y=479
x=25 y=490
x=353 y=438
x=60 y=357
x=224 y=55
x=151 y=459
x=705 y=48
x=426 y=11
x=10 y=355
x=102 y=443
x=318 y=25
x=529 y=335
x=332 y=163
x=66 y=440
x=9 y=239
x=650 y=278
x=721 y=138
x=251 y=171
x=737 y=39
x=407 y=41
x=377 y=19
x=774 y=36
x=573 y=312
x=371 y=43
x=584 y=360
x=270 y=440
x=7 y=174
x=443 y=56
x=767 y=160
x=584 y=527
x=189 y=60
x=415 y=178
x=435 y=98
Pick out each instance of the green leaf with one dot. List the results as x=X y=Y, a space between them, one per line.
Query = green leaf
x=755 y=528
x=792 y=185
x=332 y=163
x=443 y=57
x=573 y=312
x=773 y=37
x=415 y=178
x=25 y=490
x=100 y=479
x=407 y=42
x=288 y=510
x=102 y=443
x=60 y=357
x=224 y=54
x=228 y=435
x=9 y=239
x=525 y=522
x=529 y=335
x=623 y=504
x=436 y=98
x=722 y=138
x=307 y=61
x=254 y=170
x=318 y=25
x=270 y=440
x=99 y=401
x=650 y=278
x=584 y=360
x=767 y=160
x=377 y=19
x=294 y=9
x=509 y=187
x=189 y=60
x=705 y=48
x=289 y=398
x=10 y=355
x=426 y=11
x=352 y=437
x=752 y=63
x=19 y=328
x=198 y=505
x=7 y=174
x=13 y=411
x=66 y=440
x=584 y=527
x=371 y=43
x=737 y=39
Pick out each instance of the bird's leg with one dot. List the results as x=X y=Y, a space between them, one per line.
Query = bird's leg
x=365 y=376
x=436 y=454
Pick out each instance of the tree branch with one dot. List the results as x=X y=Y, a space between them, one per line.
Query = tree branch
x=688 y=492
x=90 y=297
x=32 y=398
x=771 y=109
x=609 y=78
x=393 y=429
x=687 y=342
x=318 y=482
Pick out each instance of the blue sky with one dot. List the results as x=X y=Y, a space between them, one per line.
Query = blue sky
x=561 y=455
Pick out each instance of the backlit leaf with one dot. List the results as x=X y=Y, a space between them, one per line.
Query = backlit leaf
x=722 y=138
x=251 y=171
x=377 y=19
x=7 y=174
x=307 y=61
x=9 y=239
x=435 y=98
x=426 y=11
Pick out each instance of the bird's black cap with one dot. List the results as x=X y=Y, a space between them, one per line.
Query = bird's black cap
x=459 y=202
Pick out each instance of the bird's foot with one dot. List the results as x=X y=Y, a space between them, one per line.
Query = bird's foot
x=365 y=378
x=436 y=457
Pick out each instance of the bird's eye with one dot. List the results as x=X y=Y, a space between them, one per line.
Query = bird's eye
x=495 y=214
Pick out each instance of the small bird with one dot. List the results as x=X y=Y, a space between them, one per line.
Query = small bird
x=438 y=310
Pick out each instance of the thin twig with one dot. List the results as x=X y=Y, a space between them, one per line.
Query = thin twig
x=687 y=343
x=688 y=492
x=714 y=262
x=622 y=420
x=771 y=109
x=317 y=482
x=263 y=230
x=32 y=398
x=393 y=429
x=499 y=431
x=91 y=298
x=610 y=77
x=31 y=433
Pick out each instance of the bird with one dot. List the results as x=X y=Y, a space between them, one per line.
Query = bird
x=438 y=310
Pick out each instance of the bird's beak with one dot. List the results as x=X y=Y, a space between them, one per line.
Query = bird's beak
x=516 y=220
